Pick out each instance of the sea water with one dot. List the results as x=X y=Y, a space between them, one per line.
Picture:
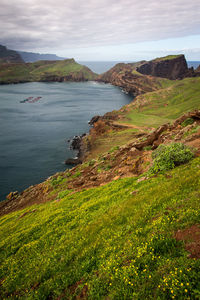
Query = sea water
x=33 y=136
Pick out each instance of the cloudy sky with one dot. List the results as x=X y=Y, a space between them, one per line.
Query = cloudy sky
x=102 y=29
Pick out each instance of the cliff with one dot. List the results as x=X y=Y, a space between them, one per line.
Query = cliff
x=148 y=76
x=171 y=67
x=130 y=80
x=9 y=56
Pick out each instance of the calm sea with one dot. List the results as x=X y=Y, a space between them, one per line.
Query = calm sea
x=33 y=136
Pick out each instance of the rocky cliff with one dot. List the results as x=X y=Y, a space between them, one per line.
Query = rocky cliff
x=130 y=80
x=147 y=76
x=9 y=56
x=171 y=67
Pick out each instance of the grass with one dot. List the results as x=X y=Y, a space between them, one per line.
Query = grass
x=168 y=57
x=106 y=242
x=107 y=141
x=165 y=105
x=42 y=69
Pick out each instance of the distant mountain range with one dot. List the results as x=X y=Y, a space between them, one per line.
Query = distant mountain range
x=12 y=56
x=32 y=57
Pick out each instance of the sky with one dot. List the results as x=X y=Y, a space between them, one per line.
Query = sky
x=102 y=29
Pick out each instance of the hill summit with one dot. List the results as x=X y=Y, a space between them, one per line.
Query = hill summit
x=9 y=56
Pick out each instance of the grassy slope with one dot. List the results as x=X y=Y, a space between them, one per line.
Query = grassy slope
x=106 y=241
x=150 y=111
x=164 y=105
x=36 y=71
x=14 y=72
x=168 y=57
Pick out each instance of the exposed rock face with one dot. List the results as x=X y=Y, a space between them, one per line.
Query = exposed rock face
x=171 y=68
x=198 y=69
x=142 y=77
x=126 y=77
x=75 y=77
x=78 y=145
x=9 y=56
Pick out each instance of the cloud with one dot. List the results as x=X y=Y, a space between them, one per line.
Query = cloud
x=50 y=25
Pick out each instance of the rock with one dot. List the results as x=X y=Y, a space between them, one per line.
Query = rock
x=171 y=67
x=72 y=161
x=76 y=141
x=134 y=151
x=94 y=119
x=142 y=179
x=12 y=195
x=134 y=192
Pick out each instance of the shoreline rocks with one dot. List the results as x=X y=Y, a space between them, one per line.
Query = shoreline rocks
x=76 y=144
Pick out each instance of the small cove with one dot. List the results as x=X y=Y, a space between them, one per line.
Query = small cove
x=33 y=136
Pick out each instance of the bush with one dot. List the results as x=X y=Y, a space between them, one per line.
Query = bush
x=167 y=157
x=188 y=121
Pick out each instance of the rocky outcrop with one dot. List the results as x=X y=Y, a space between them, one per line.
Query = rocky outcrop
x=76 y=144
x=131 y=81
x=9 y=56
x=142 y=77
x=171 y=67
x=131 y=159
x=198 y=69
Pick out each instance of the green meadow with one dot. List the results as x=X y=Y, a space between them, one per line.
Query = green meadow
x=40 y=70
x=116 y=241
x=166 y=104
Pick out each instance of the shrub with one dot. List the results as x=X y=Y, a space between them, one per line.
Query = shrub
x=167 y=157
x=91 y=162
x=57 y=180
x=188 y=121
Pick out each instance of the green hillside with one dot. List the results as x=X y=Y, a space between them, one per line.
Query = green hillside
x=112 y=242
x=65 y=70
x=164 y=105
x=168 y=57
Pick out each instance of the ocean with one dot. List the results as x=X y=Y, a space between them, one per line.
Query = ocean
x=34 y=135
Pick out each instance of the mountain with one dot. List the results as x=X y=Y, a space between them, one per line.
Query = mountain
x=171 y=67
x=65 y=70
x=33 y=57
x=146 y=76
x=9 y=56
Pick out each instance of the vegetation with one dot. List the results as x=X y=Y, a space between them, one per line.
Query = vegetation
x=115 y=241
x=164 y=105
x=168 y=57
x=122 y=240
x=188 y=121
x=44 y=70
x=167 y=157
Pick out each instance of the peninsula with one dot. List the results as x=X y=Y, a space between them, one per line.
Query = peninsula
x=125 y=222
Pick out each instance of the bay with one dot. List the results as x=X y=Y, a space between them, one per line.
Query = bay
x=33 y=136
